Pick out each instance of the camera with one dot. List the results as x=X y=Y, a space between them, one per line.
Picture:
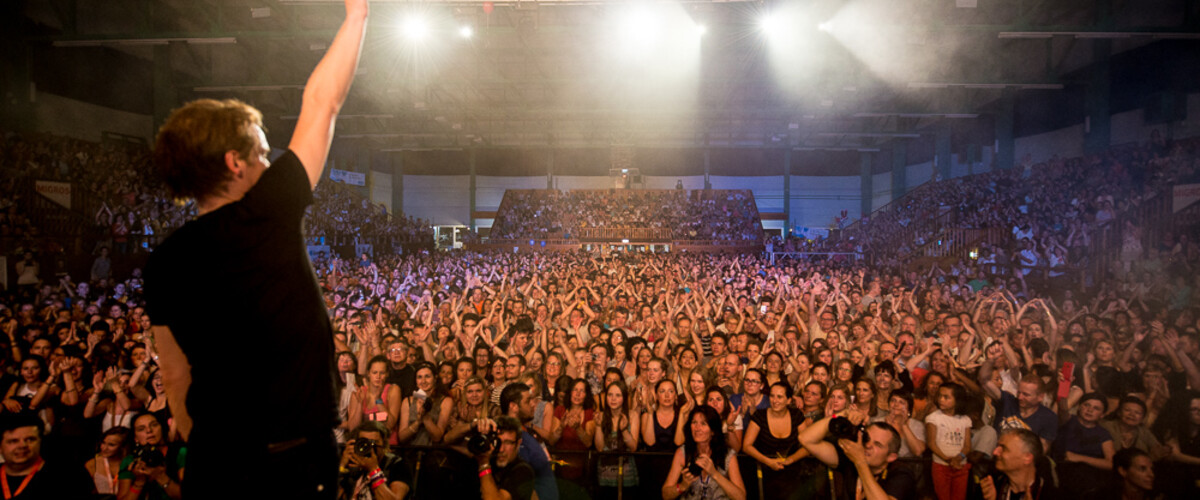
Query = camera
x=843 y=428
x=694 y=469
x=149 y=455
x=479 y=443
x=364 y=447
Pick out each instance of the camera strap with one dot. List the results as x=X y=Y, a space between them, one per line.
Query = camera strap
x=4 y=479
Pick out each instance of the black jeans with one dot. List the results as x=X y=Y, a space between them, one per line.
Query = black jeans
x=229 y=468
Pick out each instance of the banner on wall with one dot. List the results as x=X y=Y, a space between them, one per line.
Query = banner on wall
x=58 y=192
x=1185 y=196
x=348 y=177
x=812 y=233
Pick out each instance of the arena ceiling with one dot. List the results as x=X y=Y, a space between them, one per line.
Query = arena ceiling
x=831 y=74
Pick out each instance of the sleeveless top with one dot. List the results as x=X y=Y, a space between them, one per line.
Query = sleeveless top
x=378 y=410
x=422 y=437
x=664 y=437
x=105 y=478
x=710 y=489
x=769 y=445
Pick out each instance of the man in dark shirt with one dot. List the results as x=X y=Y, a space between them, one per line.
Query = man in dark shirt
x=24 y=473
x=505 y=476
x=233 y=298
x=865 y=467
x=400 y=373
x=1021 y=471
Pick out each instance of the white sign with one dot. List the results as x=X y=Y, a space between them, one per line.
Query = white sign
x=1185 y=196
x=58 y=192
x=347 y=177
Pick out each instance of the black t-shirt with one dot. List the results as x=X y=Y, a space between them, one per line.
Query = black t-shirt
x=238 y=291
x=898 y=482
x=404 y=378
x=516 y=478
x=53 y=482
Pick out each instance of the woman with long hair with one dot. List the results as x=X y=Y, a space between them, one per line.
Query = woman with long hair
x=577 y=425
x=659 y=424
x=468 y=410
x=864 y=400
x=732 y=425
x=375 y=400
x=617 y=429
x=138 y=479
x=425 y=414
x=704 y=468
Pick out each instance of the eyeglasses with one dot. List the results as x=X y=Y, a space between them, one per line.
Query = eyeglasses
x=398 y=349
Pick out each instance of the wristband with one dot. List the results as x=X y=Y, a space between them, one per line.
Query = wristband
x=378 y=482
x=485 y=472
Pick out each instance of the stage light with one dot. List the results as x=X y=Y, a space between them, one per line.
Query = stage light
x=415 y=28
x=466 y=32
x=701 y=30
x=639 y=28
x=769 y=25
x=826 y=26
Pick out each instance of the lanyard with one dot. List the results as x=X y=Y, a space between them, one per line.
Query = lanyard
x=4 y=480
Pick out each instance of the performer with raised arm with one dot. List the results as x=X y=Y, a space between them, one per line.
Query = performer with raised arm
x=240 y=325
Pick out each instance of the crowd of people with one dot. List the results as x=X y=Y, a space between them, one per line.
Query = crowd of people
x=685 y=375
x=682 y=215
x=1052 y=209
x=135 y=211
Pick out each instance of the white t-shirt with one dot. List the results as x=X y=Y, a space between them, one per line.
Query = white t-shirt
x=951 y=433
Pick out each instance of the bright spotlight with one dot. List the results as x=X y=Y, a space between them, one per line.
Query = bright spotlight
x=466 y=32
x=701 y=30
x=639 y=28
x=415 y=28
x=770 y=25
x=826 y=26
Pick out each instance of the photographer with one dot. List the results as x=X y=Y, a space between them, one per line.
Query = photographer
x=368 y=471
x=865 y=463
x=502 y=474
x=154 y=469
x=1021 y=470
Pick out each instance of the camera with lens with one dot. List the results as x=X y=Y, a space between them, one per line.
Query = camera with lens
x=479 y=443
x=694 y=469
x=843 y=428
x=364 y=447
x=149 y=455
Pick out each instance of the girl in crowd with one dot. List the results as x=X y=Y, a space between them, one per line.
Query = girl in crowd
x=348 y=382
x=32 y=393
x=1084 y=448
x=659 y=425
x=468 y=410
x=104 y=467
x=732 y=424
x=617 y=429
x=772 y=438
x=704 y=468
x=864 y=401
x=376 y=401
x=926 y=394
x=838 y=402
x=948 y=432
x=812 y=402
x=425 y=414
x=110 y=398
x=577 y=426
